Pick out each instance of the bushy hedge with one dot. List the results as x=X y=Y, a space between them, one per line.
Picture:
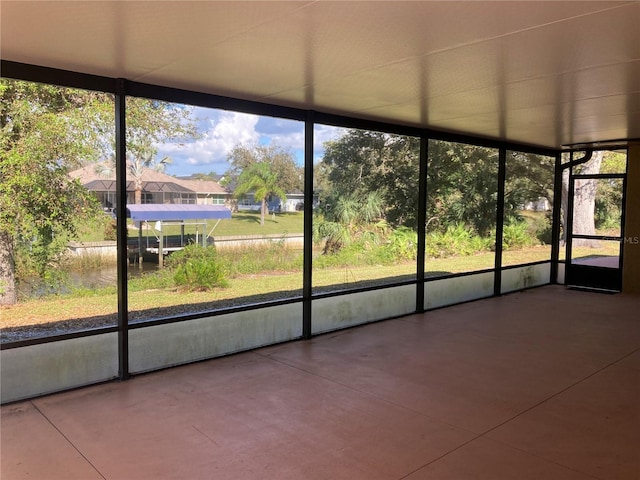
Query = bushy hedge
x=197 y=268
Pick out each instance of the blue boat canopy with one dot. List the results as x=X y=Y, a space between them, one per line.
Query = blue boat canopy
x=176 y=211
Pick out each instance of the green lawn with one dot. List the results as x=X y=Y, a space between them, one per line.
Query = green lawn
x=286 y=281
x=242 y=288
x=248 y=223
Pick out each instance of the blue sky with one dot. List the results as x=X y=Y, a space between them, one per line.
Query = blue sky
x=222 y=130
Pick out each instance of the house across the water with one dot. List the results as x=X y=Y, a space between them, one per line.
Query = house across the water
x=157 y=187
x=160 y=188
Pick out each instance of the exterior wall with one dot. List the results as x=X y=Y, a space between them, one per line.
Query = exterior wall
x=631 y=259
x=213 y=199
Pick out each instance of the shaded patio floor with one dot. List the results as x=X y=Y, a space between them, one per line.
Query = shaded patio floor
x=542 y=384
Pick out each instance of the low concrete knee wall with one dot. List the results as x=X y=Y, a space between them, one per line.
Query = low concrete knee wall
x=160 y=346
x=525 y=277
x=333 y=313
x=449 y=291
x=36 y=370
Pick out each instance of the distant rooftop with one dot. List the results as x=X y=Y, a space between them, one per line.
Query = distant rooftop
x=153 y=182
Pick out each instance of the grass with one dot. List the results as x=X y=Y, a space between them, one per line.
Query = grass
x=146 y=296
x=248 y=223
x=275 y=272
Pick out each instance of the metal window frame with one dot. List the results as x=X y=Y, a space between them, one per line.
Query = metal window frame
x=122 y=88
x=569 y=236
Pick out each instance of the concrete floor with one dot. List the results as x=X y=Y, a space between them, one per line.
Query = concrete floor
x=543 y=384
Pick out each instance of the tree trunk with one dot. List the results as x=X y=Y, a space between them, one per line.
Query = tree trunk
x=7 y=270
x=137 y=196
x=263 y=210
x=564 y=204
x=584 y=202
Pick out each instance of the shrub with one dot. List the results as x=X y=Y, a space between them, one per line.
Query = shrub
x=110 y=229
x=516 y=235
x=539 y=225
x=197 y=268
x=162 y=278
x=456 y=240
x=544 y=229
x=403 y=244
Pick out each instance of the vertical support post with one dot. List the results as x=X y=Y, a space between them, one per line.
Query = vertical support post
x=556 y=218
x=161 y=247
x=568 y=235
x=502 y=174
x=623 y=235
x=140 y=244
x=121 y=214
x=631 y=222
x=422 y=223
x=307 y=269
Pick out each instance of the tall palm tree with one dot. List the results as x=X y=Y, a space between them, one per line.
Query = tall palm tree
x=259 y=179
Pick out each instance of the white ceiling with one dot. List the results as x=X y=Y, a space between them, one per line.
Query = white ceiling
x=542 y=73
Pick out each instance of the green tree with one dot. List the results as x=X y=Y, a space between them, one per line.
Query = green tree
x=290 y=177
x=136 y=167
x=462 y=186
x=46 y=131
x=363 y=161
x=462 y=179
x=260 y=180
x=528 y=178
x=608 y=202
x=150 y=123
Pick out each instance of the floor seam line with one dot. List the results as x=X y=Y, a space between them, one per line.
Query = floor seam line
x=544 y=458
x=372 y=395
x=68 y=440
x=522 y=413
x=480 y=435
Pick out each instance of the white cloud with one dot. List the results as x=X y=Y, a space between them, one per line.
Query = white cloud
x=222 y=131
x=323 y=133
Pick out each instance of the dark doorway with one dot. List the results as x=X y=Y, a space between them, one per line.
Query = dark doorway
x=594 y=256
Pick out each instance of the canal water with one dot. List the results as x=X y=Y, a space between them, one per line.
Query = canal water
x=34 y=287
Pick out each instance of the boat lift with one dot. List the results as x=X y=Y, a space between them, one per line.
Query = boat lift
x=174 y=214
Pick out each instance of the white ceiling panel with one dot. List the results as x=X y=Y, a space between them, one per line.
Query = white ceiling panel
x=543 y=73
